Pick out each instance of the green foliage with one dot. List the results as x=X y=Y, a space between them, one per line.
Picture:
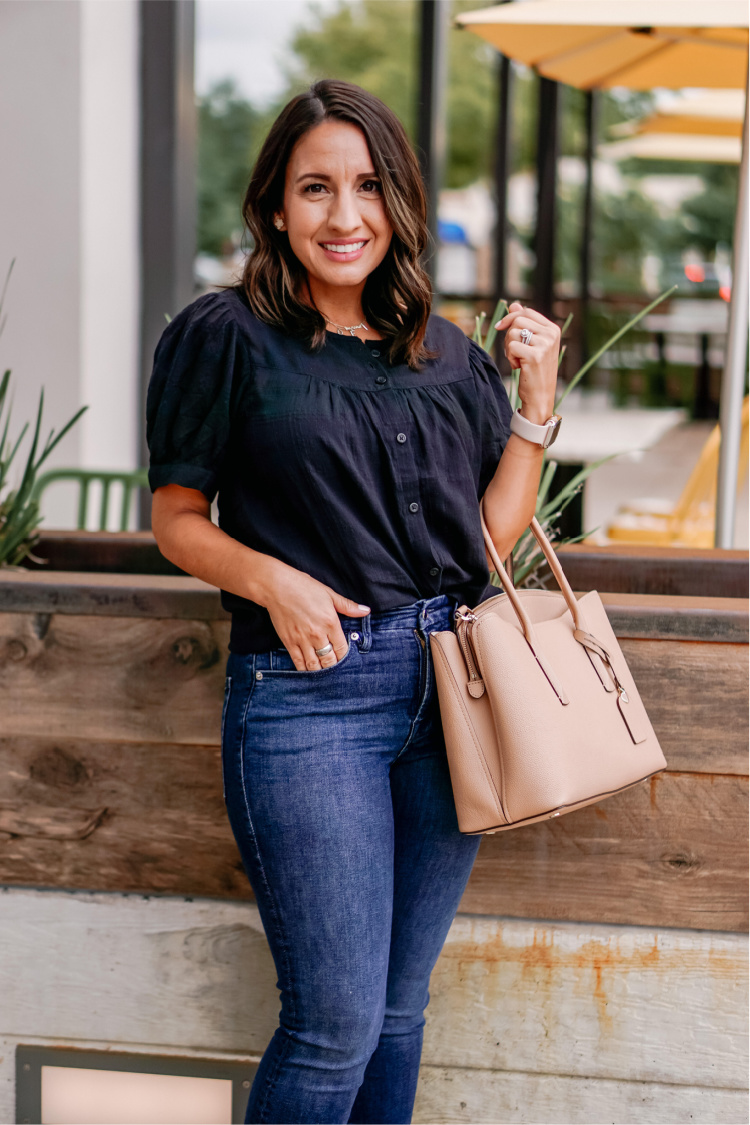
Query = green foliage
x=19 y=513
x=228 y=128
x=526 y=557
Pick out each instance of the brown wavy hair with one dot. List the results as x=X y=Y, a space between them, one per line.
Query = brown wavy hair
x=397 y=294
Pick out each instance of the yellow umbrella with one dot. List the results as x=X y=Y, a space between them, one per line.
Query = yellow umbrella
x=697 y=147
x=715 y=113
x=588 y=43
x=675 y=44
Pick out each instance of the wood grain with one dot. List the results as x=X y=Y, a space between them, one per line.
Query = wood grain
x=115 y=678
x=670 y=852
x=140 y=679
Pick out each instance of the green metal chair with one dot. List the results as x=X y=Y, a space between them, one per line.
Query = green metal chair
x=134 y=479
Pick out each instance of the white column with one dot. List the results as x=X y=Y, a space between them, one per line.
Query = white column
x=69 y=205
x=109 y=233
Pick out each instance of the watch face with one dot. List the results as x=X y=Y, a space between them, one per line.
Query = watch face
x=553 y=432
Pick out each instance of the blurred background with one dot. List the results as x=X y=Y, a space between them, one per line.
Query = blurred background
x=128 y=137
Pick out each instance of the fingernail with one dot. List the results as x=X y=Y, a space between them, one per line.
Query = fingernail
x=365 y=607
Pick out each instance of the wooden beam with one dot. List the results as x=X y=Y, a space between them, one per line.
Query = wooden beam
x=111 y=817
x=671 y=852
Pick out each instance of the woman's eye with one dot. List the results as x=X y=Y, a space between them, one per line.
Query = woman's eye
x=315 y=189
x=371 y=187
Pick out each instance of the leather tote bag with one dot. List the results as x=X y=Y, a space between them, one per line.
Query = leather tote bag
x=539 y=710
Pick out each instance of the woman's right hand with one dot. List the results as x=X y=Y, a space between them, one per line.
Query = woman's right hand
x=304 y=612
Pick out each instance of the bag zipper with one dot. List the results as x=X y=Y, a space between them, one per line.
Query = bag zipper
x=464 y=624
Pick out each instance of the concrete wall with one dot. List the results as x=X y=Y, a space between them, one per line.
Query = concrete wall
x=69 y=216
x=528 y=1021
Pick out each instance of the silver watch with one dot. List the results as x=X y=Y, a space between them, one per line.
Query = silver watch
x=542 y=435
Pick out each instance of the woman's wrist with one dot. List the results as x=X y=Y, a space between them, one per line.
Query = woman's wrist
x=537 y=412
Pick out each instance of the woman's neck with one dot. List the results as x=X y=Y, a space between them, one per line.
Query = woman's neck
x=342 y=308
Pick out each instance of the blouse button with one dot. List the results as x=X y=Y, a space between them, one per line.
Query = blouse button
x=376 y=353
x=413 y=507
x=401 y=438
x=434 y=571
x=381 y=379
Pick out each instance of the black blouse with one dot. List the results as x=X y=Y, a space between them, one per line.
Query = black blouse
x=363 y=474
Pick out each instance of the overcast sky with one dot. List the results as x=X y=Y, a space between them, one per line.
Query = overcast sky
x=245 y=40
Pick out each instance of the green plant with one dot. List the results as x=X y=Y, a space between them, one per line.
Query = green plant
x=19 y=513
x=526 y=557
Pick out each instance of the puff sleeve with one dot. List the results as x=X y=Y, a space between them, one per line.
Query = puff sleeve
x=189 y=399
x=492 y=392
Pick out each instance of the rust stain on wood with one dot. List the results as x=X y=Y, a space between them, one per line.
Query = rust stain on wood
x=595 y=963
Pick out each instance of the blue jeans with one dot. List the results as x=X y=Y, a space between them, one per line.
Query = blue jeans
x=338 y=793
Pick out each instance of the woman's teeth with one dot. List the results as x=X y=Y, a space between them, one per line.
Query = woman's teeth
x=337 y=248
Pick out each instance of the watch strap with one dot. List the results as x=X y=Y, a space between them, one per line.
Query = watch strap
x=542 y=435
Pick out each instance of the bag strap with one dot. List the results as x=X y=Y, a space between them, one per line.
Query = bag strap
x=554 y=563
x=600 y=658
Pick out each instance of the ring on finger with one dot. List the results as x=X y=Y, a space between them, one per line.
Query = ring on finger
x=526 y=335
x=324 y=650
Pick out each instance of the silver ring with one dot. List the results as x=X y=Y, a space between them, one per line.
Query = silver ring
x=526 y=335
x=325 y=649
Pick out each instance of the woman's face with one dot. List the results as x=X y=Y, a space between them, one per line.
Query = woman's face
x=333 y=206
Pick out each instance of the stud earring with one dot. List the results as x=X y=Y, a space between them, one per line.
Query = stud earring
x=278 y=223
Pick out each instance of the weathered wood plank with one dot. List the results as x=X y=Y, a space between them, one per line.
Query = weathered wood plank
x=696 y=696
x=155 y=679
x=120 y=679
x=109 y=595
x=671 y=852
x=666 y=853
x=143 y=595
x=692 y=619
x=447 y=1095
x=597 y=1002
x=629 y=568
x=638 y=569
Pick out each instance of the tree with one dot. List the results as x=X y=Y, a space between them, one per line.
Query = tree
x=228 y=130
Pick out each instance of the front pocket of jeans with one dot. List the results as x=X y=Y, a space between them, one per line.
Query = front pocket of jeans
x=282 y=656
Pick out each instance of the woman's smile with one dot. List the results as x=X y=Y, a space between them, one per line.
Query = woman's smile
x=344 y=250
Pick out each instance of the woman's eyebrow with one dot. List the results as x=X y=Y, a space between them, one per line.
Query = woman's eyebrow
x=323 y=176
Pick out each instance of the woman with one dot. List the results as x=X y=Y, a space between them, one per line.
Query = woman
x=349 y=435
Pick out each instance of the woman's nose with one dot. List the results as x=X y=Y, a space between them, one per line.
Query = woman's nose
x=344 y=214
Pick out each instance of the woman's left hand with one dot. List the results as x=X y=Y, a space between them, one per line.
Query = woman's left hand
x=538 y=360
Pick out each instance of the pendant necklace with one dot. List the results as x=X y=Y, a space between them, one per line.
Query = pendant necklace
x=350 y=328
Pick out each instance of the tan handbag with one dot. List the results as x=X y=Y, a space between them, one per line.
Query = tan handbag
x=540 y=712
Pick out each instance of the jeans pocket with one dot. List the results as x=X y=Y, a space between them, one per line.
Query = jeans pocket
x=281 y=664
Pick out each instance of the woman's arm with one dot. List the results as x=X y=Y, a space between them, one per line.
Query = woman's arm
x=510 y=498
x=303 y=611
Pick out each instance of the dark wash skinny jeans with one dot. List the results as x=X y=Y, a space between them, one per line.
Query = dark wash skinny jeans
x=338 y=792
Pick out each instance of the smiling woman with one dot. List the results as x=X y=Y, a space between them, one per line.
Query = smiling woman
x=349 y=434
x=337 y=211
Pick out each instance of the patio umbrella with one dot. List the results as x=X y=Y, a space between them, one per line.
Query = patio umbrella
x=673 y=44
x=701 y=126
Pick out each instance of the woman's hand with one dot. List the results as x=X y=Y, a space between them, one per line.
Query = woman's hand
x=538 y=360
x=304 y=613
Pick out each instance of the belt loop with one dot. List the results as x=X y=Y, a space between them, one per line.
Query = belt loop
x=364 y=628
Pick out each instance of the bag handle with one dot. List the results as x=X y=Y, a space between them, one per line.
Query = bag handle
x=554 y=563
x=597 y=653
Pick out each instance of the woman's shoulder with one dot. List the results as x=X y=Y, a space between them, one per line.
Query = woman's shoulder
x=214 y=312
x=452 y=344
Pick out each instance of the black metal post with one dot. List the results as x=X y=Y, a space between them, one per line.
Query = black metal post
x=548 y=144
x=587 y=225
x=502 y=173
x=431 y=129
x=168 y=188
